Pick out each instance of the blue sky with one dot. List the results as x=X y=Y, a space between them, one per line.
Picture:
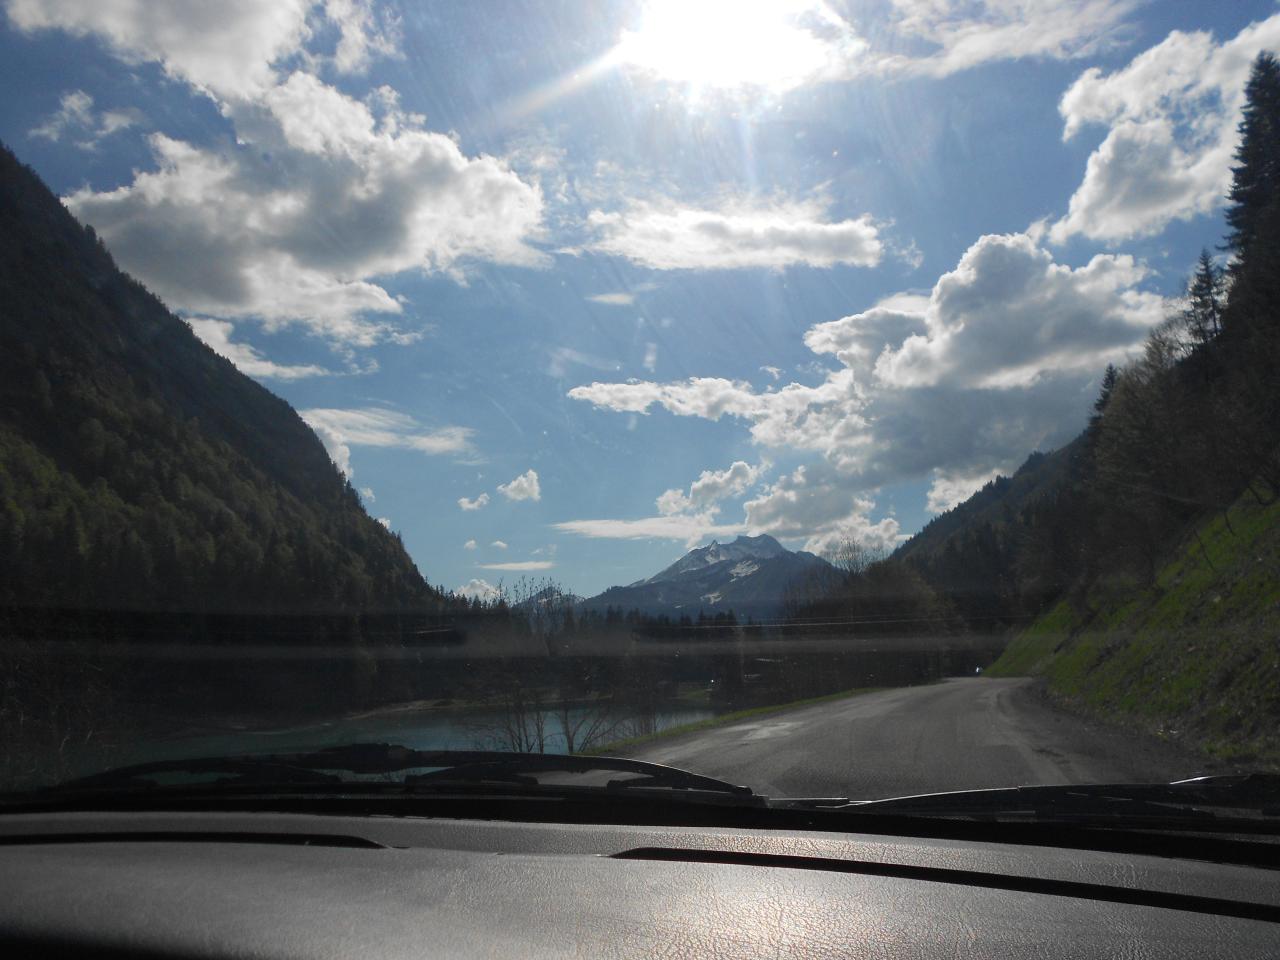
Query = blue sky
x=568 y=288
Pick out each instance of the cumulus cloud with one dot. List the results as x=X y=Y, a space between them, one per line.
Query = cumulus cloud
x=1172 y=115
x=340 y=430
x=217 y=334
x=469 y=545
x=949 y=490
x=817 y=503
x=709 y=489
x=519 y=565
x=77 y=121
x=770 y=234
x=1008 y=314
x=225 y=48
x=363 y=33
x=688 y=517
x=523 y=487
x=474 y=504
x=1000 y=358
x=499 y=545
x=318 y=196
x=369 y=192
x=228 y=49
x=477 y=589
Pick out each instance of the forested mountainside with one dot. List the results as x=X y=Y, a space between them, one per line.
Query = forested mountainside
x=1193 y=656
x=997 y=555
x=1139 y=564
x=139 y=469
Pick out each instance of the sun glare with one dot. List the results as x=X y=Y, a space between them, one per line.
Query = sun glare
x=725 y=43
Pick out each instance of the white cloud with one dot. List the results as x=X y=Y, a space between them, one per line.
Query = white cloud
x=999 y=359
x=376 y=427
x=224 y=48
x=523 y=487
x=369 y=193
x=217 y=334
x=469 y=545
x=364 y=32
x=962 y=34
x=773 y=372
x=708 y=397
x=78 y=121
x=687 y=528
x=817 y=503
x=386 y=523
x=949 y=490
x=1172 y=114
x=740 y=233
x=230 y=49
x=499 y=545
x=688 y=517
x=478 y=589
x=318 y=197
x=709 y=489
x=1009 y=314
x=519 y=565
x=476 y=504
x=614 y=299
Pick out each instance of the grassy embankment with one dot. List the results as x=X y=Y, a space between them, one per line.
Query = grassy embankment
x=1195 y=657
x=721 y=720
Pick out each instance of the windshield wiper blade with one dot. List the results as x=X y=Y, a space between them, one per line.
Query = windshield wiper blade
x=442 y=768
x=1199 y=799
x=519 y=767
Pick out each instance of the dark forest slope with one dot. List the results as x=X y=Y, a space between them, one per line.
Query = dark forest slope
x=140 y=469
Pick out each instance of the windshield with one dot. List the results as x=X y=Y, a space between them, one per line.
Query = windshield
x=833 y=400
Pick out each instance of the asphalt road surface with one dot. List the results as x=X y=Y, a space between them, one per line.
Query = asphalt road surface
x=956 y=735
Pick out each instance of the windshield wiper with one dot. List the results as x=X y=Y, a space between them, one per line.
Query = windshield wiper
x=342 y=769
x=520 y=767
x=1209 y=803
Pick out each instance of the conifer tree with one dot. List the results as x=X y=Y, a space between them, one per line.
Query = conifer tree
x=1256 y=180
x=1203 y=313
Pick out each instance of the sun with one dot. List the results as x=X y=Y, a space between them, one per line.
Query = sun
x=725 y=44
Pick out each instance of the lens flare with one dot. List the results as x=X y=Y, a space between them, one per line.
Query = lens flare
x=723 y=44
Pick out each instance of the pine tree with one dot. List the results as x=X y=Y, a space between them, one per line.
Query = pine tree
x=1100 y=405
x=1256 y=181
x=1202 y=315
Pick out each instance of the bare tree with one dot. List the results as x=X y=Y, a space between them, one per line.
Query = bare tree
x=523 y=723
x=585 y=724
x=853 y=557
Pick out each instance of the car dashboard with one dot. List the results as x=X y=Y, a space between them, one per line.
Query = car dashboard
x=238 y=884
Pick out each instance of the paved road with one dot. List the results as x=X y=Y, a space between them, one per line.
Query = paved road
x=956 y=735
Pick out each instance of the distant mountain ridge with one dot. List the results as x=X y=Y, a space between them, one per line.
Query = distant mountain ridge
x=749 y=576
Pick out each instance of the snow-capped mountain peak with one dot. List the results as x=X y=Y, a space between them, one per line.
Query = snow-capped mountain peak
x=750 y=574
x=763 y=547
